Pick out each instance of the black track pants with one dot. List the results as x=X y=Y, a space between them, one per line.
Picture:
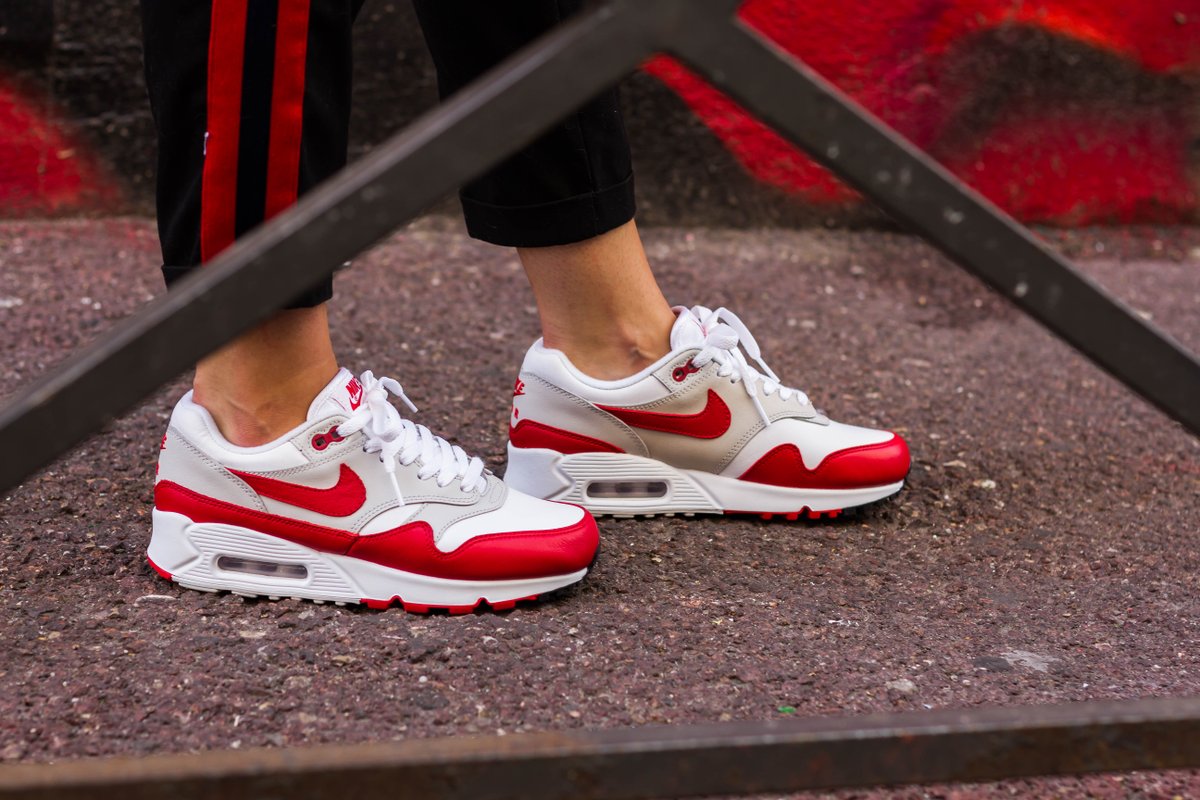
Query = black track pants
x=251 y=100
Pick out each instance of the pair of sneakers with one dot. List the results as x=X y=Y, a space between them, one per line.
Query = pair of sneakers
x=360 y=505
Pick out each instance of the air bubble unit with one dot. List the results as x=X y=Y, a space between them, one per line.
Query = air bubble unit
x=268 y=568
x=627 y=489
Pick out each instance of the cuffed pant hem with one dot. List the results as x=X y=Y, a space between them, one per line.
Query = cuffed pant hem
x=318 y=294
x=566 y=221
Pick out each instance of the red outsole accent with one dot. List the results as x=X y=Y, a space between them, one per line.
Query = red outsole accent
x=162 y=573
x=413 y=608
x=421 y=608
x=851 y=468
x=790 y=516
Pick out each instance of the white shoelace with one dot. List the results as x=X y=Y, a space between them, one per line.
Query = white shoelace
x=724 y=332
x=399 y=439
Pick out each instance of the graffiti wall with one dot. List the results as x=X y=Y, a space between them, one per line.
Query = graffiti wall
x=45 y=168
x=1066 y=112
x=1062 y=111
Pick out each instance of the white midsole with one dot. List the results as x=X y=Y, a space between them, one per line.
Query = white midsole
x=555 y=476
x=189 y=552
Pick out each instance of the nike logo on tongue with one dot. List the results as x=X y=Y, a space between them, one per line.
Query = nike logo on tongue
x=355 y=390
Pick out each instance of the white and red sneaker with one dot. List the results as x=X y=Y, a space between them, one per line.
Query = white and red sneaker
x=700 y=431
x=355 y=505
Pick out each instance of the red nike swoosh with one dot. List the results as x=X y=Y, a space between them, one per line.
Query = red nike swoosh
x=408 y=547
x=340 y=500
x=711 y=422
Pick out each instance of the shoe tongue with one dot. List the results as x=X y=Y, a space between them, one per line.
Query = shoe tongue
x=687 y=331
x=341 y=395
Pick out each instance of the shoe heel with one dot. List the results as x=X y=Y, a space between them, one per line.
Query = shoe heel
x=216 y=557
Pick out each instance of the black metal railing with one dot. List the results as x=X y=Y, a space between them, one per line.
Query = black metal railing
x=464 y=137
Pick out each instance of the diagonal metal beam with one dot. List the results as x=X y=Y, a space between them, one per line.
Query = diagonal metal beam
x=629 y=763
x=475 y=129
x=918 y=192
x=460 y=140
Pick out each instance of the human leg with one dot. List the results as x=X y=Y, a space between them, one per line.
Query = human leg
x=259 y=386
x=251 y=102
x=280 y=474
x=625 y=405
x=599 y=302
x=565 y=201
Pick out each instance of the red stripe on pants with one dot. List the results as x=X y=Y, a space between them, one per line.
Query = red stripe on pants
x=218 y=194
x=287 y=106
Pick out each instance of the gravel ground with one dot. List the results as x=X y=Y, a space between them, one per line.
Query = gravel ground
x=1046 y=549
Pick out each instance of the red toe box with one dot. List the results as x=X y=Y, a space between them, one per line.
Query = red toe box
x=512 y=555
x=852 y=468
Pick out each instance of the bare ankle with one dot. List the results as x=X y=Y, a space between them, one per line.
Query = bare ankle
x=599 y=303
x=613 y=354
x=251 y=421
x=259 y=386
x=253 y=408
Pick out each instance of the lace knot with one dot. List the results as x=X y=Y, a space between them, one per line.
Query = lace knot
x=399 y=440
x=725 y=337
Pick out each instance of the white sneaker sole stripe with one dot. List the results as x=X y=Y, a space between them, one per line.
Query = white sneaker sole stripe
x=554 y=476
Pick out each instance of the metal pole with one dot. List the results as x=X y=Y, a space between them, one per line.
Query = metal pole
x=625 y=764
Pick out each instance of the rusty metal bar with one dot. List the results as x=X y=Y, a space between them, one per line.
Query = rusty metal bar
x=623 y=764
x=461 y=139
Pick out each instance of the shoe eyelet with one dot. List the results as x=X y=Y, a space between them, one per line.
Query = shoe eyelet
x=680 y=374
x=322 y=440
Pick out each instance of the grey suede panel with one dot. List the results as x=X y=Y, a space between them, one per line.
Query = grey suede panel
x=183 y=463
x=690 y=396
x=441 y=516
x=552 y=405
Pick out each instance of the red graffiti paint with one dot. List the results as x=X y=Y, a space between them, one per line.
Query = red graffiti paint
x=44 y=170
x=1042 y=162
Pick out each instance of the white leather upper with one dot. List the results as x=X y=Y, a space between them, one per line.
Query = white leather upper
x=197 y=457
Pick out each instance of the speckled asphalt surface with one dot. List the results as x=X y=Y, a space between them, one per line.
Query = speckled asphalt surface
x=1046 y=549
